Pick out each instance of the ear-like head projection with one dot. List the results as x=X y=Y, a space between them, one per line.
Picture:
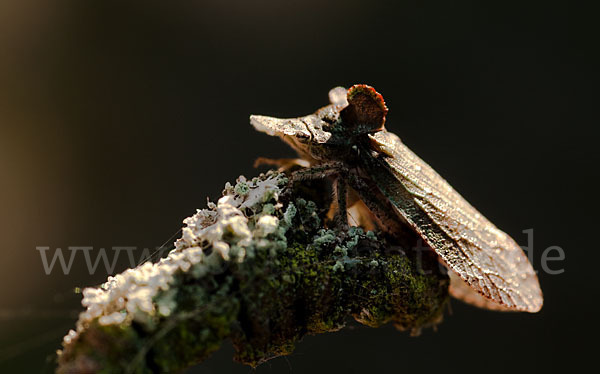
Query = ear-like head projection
x=366 y=110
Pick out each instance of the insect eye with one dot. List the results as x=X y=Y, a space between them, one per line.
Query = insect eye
x=366 y=109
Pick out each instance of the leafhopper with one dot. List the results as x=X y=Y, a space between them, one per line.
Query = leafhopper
x=347 y=140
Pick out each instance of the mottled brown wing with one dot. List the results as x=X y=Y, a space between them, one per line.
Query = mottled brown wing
x=486 y=258
x=459 y=289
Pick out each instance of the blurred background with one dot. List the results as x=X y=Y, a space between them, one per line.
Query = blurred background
x=118 y=119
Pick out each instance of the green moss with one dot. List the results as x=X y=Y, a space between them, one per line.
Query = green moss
x=301 y=279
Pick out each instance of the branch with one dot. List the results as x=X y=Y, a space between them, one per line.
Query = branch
x=259 y=268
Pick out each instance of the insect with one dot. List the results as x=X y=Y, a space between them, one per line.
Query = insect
x=348 y=141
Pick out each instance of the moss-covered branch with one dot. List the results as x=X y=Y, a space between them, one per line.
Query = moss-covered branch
x=256 y=268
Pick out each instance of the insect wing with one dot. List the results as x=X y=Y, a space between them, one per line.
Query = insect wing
x=459 y=289
x=486 y=258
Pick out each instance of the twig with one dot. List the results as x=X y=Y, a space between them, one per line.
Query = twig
x=260 y=270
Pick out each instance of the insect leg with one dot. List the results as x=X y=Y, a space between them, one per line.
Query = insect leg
x=341 y=192
x=283 y=164
x=320 y=171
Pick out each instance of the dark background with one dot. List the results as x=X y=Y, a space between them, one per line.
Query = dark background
x=118 y=119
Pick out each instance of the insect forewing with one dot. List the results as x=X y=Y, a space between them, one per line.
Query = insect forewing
x=462 y=291
x=486 y=258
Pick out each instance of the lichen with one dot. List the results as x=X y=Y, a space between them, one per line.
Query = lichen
x=260 y=267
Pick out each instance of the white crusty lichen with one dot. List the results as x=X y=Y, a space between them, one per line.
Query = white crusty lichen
x=243 y=270
x=223 y=227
